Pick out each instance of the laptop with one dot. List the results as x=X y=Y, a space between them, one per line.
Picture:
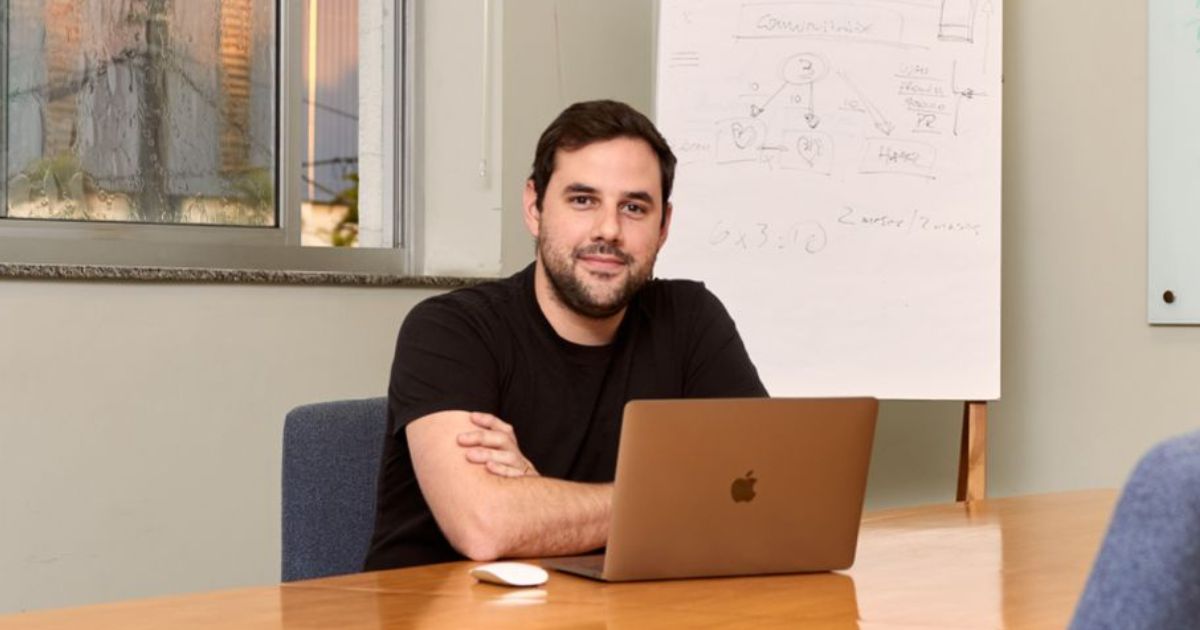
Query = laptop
x=723 y=487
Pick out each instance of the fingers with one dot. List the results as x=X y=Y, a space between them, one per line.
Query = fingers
x=489 y=439
x=503 y=463
x=497 y=433
x=494 y=447
x=488 y=421
x=504 y=471
x=485 y=455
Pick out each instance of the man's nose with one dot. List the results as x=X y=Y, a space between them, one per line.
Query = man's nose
x=607 y=226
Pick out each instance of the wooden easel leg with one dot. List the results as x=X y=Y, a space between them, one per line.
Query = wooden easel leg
x=972 y=455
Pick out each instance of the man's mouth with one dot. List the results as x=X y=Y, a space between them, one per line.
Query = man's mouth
x=603 y=259
x=603 y=264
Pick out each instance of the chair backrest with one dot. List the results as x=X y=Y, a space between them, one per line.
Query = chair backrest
x=331 y=455
x=1147 y=574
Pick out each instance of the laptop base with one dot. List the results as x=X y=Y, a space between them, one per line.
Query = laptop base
x=591 y=566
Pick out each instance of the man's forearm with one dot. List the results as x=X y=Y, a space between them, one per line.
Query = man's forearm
x=539 y=516
x=486 y=516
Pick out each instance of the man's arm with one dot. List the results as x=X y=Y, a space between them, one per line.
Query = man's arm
x=487 y=516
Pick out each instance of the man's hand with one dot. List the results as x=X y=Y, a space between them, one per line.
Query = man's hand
x=494 y=446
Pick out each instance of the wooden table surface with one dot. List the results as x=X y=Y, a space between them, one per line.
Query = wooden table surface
x=1003 y=563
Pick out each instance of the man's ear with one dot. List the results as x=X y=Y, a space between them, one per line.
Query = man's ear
x=668 y=210
x=532 y=215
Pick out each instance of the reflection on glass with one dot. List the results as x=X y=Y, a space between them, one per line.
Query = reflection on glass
x=329 y=144
x=158 y=111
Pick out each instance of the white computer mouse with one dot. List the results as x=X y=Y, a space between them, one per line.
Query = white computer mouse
x=511 y=574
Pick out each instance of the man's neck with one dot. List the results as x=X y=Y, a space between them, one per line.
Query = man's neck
x=575 y=328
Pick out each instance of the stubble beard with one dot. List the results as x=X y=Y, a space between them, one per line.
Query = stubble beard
x=576 y=295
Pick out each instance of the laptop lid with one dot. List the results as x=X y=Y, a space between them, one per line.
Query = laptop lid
x=710 y=487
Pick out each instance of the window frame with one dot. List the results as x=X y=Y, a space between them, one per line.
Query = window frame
x=276 y=248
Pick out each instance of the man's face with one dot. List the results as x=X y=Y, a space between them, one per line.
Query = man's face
x=601 y=224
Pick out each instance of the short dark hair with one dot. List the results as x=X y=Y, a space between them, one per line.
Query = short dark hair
x=594 y=121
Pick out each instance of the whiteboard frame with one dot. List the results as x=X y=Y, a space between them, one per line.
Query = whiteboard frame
x=1172 y=163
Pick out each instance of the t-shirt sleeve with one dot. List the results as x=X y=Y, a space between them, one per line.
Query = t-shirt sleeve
x=717 y=365
x=442 y=363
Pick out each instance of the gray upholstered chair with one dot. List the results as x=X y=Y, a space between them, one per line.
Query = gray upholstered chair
x=331 y=454
x=1147 y=574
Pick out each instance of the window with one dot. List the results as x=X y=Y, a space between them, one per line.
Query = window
x=141 y=112
x=349 y=125
x=207 y=133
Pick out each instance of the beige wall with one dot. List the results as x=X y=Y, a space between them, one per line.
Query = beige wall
x=139 y=424
x=1088 y=385
x=558 y=52
x=140 y=427
x=461 y=209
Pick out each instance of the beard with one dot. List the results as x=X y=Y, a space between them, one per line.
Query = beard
x=576 y=294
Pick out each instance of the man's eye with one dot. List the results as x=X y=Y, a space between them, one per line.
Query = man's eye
x=580 y=200
x=634 y=208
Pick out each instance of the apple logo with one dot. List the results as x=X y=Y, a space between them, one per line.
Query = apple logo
x=742 y=489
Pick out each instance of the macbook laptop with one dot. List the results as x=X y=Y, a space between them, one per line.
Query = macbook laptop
x=720 y=487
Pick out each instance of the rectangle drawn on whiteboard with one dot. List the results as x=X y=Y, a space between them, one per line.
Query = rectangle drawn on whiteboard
x=807 y=151
x=958 y=21
x=740 y=140
x=826 y=20
x=898 y=157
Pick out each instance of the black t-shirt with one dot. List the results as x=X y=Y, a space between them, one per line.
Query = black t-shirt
x=490 y=348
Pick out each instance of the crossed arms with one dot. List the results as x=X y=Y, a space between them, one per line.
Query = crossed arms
x=490 y=501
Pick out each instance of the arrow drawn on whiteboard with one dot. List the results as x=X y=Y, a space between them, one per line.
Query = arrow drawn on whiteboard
x=810 y=116
x=988 y=10
x=755 y=110
x=881 y=122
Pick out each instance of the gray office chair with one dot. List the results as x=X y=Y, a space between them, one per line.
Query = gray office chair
x=1147 y=574
x=331 y=454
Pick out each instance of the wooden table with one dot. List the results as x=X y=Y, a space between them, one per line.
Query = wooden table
x=1013 y=563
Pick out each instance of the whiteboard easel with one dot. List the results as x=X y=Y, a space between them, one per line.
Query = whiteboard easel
x=838 y=188
x=972 y=455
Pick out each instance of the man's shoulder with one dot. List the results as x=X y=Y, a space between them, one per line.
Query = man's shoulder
x=675 y=294
x=687 y=306
x=485 y=317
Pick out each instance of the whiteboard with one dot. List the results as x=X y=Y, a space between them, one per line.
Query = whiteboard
x=1174 y=162
x=839 y=187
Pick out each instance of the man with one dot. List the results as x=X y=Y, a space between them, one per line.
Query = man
x=506 y=398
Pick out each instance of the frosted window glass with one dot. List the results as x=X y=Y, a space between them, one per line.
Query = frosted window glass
x=151 y=111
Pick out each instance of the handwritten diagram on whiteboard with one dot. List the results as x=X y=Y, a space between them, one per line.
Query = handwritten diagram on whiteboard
x=839 y=187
